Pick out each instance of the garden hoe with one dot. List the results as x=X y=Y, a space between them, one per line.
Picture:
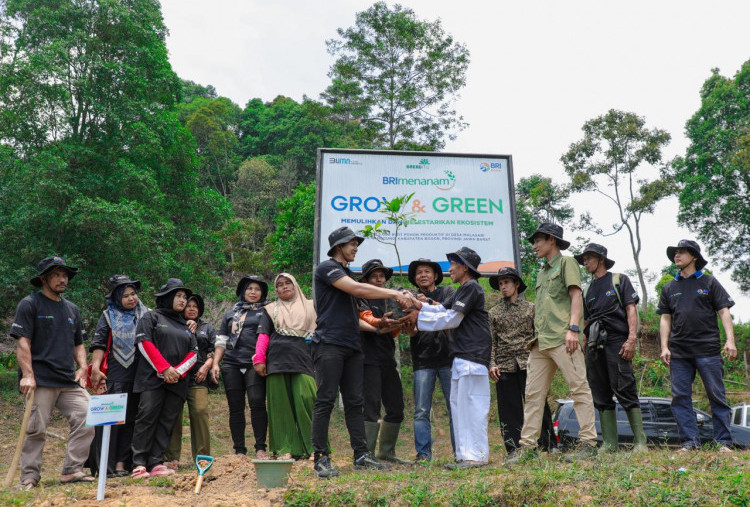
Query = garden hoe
x=202 y=463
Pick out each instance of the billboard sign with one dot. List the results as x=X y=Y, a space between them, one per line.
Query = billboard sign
x=459 y=200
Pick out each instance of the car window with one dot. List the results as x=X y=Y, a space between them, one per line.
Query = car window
x=663 y=413
x=737 y=419
x=747 y=417
x=646 y=411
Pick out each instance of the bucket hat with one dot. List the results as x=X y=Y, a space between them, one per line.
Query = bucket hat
x=468 y=257
x=172 y=285
x=412 y=274
x=597 y=249
x=691 y=246
x=242 y=285
x=120 y=280
x=341 y=236
x=373 y=265
x=510 y=273
x=553 y=230
x=48 y=264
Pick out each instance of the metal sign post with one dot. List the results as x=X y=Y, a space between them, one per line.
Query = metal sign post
x=106 y=410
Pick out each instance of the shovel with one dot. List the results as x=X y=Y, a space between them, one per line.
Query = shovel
x=202 y=463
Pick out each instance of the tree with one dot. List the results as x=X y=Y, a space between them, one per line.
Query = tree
x=395 y=213
x=293 y=238
x=400 y=76
x=94 y=164
x=607 y=161
x=538 y=199
x=714 y=175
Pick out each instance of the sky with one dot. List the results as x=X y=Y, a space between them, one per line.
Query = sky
x=539 y=70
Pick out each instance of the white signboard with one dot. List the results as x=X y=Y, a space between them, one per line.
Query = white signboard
x=459 y=200
x=107 y=409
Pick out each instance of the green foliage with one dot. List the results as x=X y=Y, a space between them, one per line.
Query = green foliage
x=607 y=160
x=395 y=213
x=258 y=188
x=94 y=164
x=399 y=76
x=291 y=241
x=247 y=248
x=714 y=174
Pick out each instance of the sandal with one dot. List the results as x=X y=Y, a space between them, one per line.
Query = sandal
x=174 y=464
x=261 y=455
x=285 y=457
x=28 y=484
x=139 y=472
x=161 y=471
x=76 y=477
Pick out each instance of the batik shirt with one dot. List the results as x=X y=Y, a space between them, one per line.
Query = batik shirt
x=512 y=327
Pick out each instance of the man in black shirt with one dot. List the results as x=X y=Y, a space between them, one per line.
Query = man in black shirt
x=337 y=349
x=611 y=326
x=50 y=337
x=429 y=356
x=470 y=347
x=690 y=342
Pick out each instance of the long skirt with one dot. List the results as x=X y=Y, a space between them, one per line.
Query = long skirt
x=291 y=397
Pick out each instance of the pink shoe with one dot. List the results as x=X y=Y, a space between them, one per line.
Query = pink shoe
x=139 y=472
x=161 y=471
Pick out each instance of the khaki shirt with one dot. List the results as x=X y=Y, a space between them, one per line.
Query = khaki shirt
x=552 y=300
x=512 y=327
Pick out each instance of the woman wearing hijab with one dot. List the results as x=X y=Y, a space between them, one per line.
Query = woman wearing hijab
x=114 y=341
x=235 y=344
x=197 y=398
x=167 y=353
x=284 y=357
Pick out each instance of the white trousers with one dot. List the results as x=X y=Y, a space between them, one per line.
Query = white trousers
x=470 y=409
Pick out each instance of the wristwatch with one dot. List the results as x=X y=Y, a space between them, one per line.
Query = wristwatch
x=575 y=328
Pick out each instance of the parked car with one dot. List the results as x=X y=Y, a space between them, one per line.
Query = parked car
x=659 y=425
x=741 y=415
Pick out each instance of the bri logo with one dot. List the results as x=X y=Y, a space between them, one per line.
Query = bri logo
x=486 y=167
x=703 y=292
x=72 y=321
x=609 y=293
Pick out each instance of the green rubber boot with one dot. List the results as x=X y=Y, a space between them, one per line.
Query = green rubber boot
x=609 y=431
x=371 y=434
x=388 y=439
x=635 y=418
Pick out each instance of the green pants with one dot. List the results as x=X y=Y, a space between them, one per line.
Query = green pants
x=200 y=436
x=291 y=397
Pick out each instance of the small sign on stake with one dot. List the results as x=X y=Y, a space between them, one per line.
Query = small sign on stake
x=106 y=410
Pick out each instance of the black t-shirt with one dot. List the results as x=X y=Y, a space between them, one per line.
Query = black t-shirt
x=472 y=339
x=286 y=354
x=168 y=331
x=338 y=318
x=378 y=349
x=241 y=355
x=693 y=303
x=429 y=349
x=602 y=304
x=55 y=328
x=205 y=335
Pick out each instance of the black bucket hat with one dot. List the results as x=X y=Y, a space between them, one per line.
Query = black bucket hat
x=468 y=257
x=507 y=273
x=172 y=285
x=691 y=246
x=597 y=249
x=120 y=280
x=242 y=285
x=373 y=265
x=48 y=264
x=425 y=262
x=341 y=236
x=553 y=230
x=199 y=301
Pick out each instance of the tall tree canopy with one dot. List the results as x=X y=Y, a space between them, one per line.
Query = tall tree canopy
x=615 y=146
x=714 y=174
x=399 y=76
x=94 y=164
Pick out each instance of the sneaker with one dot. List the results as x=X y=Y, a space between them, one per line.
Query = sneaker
x=369 y=462
x=324 y=469
x=521 y=455
x=584 y=452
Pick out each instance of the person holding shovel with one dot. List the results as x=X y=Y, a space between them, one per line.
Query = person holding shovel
x=49 y=337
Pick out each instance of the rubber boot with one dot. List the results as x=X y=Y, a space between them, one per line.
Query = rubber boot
x=608 y=421
x=388 y=438
x=636 y=424
x=371 y=434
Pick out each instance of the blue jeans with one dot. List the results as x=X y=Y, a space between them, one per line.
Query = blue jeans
x=424 y=386
x=711 y=370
